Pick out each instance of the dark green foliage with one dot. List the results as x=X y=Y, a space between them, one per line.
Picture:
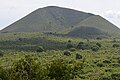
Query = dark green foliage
x=115 y=65
x=30 y=69
x=100 y=65
x=95 y=48
x=67 y=53
x=99 y=38
x=106 y=61
x=104 y=78
x=78 y=56
x=81 y=45
x=69 y=46
x=98 y=44
x=87 y=46
x=40 y=49
x=119 y=61
x=1 y=54
x=72 y=49
x=115 y=76
x=69 y=41
x=116 y=45
x=4 y=74
x=59 y=70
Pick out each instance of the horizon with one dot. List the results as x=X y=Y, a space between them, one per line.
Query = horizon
x=19 y=9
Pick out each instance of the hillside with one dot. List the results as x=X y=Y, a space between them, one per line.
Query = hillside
x=94 y=26
x=47 y=19
x=64 y=21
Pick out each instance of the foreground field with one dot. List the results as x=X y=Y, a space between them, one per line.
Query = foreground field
x=37 y=56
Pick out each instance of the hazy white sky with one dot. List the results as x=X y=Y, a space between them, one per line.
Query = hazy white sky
x=13 y=10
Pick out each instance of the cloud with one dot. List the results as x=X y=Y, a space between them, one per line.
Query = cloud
x=112 y=14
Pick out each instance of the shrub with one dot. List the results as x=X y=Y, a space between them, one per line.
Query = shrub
x=28 y=69
x=78 y=56
x=116 y=45
x=95 y=48
x=69 y=41
x=115 y=76
x=72 y=49
x=61 y=70
x=69 y=46
x=106 y=61
x=119 y=61
x=100 y=65
x=115 y=65
x=67 y=53
x=98 y=44
x=104 y=78
x=82 y=46
x=3 y=74
x=99 y=38
x=108 y=70
x=1 y=54
x=40 y=49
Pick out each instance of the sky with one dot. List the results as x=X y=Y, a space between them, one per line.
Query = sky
x=13 y=10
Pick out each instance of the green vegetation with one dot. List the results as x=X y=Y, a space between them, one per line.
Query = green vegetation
x=54 y=43
x=38 y=56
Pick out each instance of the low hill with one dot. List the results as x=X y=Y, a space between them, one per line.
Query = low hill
x=64 y=21
x=94 y=26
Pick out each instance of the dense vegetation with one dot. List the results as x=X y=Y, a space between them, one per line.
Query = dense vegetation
x=38 y=56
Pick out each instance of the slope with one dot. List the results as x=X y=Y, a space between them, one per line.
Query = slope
x=94 y=26
x=48 y=19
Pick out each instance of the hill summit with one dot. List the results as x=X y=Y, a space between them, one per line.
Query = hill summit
x=64 y=21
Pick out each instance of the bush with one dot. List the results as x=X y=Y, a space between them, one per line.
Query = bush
x=28 y=69
x=78 y=56
x=100 y=65
x=104 y=78
x=3 y=74
x=40 y=49
x=69 y=41
x=72 y=49
x=115 y=65
x=119 y=61
x=116 y=45
x=98 y=44
x=83 y=46
x=95 y=48
x=61 y=70
x=106 y=61
x=67 y=53
x=69 y=46
x=115 y=76
x=1 y=54
x=99 y=38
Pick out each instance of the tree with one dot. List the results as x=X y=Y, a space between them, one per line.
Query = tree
x=95 y=48
x=69 y=46
x=67 y=53
x=78 y=56
x=115 y=45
